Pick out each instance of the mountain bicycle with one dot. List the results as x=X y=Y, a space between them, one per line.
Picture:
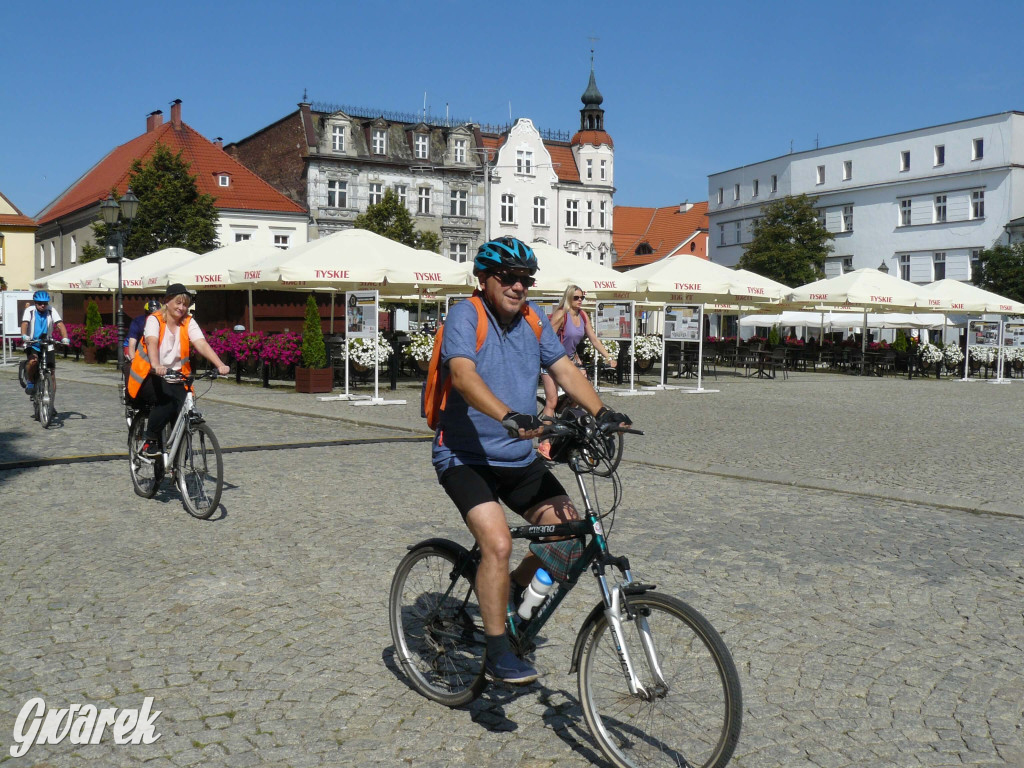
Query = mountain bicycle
x=44 y=395
x=656 y=682
x=189 y=449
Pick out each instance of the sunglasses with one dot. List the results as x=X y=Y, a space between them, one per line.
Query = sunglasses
x=509 y=279
x=579 y=298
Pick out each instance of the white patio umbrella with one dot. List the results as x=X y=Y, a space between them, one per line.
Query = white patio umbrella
x=558 y=269
x=354 y=259
x=955 y=296
x=138 y=275
x=864 y=288
x=82 y=278
x=690 y=279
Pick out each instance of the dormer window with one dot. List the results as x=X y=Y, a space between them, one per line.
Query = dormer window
x=459 y=145
x=223 y=180
x=338 y=138
x=422 y=146
x=380 y=141
x=644 y=249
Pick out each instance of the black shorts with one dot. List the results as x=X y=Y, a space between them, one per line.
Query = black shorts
x=521 y=488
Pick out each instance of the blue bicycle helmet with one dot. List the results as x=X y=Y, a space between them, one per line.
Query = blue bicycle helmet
x=504 y=252
x=41 y=296
x=152 y=306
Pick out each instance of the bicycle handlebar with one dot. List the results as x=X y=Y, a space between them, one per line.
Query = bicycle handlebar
x=176 y=377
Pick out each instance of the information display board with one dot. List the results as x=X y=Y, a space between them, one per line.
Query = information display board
x=984 y=333
x=682 y=322
x=548 y=304
x=361 y=314
x=614 y=320
x=1013 y=335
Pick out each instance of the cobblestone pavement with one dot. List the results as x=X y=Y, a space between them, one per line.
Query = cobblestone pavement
x=870 y=625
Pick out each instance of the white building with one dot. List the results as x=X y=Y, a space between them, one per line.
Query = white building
x=924 y=202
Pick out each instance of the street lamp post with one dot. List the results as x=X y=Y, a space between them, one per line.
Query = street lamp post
x=125 y=210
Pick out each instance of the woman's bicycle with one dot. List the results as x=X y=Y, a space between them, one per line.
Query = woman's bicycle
x=44 y=406
x=190 y=450
x=656 y=682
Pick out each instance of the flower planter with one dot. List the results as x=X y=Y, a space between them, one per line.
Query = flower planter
x=313 y=380
x=90 y=355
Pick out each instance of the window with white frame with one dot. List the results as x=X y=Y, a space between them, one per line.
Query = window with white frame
x=604 y=170
x=978 y=204
x=735 y=191
x=540 y=210
x=42 y=257
x=380 y=141
x=975 y=262
x=590 y=169
x=338 y=138
x=74 y=249
x=775 y=183
x=821 y=174
x=847 y=170
x=905 y=160
x=940 y=154
x=977 y=149
x=459 y=145
x=572 y=213
x=243 y=237
x=53 y=255
x=508 y=209
x=223 y=180
x=458 y=252
x=1 y=250
x=939 y=266
x=721 y=195
x=905 y=207
x=847 y=264
x=590 y=214
x=602 y=215
x=421 y=146
x=337 y=194
x=423 y=201
x=376 y=193
x=590 y=256
x=847 y=218
x=738 y=229
x=940 y=208
x=721 y=234
x=904 y=266
x=282 y=241
x=459 y=202
x=524 y=161
x=754 y=187
x=402 y=194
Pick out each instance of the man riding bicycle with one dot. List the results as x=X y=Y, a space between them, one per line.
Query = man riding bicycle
x=38 y=321
x=482 y=451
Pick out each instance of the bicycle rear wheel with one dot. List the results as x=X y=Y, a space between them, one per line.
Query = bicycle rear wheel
x=146 y=473
x=200 y=471
x=693 y=719
x=47 y=409
x=436 y=624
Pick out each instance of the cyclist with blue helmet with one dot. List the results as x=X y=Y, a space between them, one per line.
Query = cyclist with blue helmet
x=39 y=320
x=482 y=450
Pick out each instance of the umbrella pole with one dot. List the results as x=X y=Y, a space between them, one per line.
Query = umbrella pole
x=250 y=311
x=333 y=293
x=863 y=341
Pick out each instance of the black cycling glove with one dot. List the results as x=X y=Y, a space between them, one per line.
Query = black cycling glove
x=513 y=421
x=607 y=416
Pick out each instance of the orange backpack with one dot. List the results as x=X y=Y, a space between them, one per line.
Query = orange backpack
x=435 y=388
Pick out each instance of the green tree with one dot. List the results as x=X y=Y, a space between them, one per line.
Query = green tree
x=172 y=213
x=314 y=352
x=392 y=220
x=93 y=321
x=1000 y=269
x=789 y=243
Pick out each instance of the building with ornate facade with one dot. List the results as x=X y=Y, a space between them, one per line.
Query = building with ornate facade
x=462 y=180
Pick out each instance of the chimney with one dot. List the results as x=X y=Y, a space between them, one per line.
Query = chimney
x=218 y=143
x=684 y=207
x=154 y=120
x=176 y=114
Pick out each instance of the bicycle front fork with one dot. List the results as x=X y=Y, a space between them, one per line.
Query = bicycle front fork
x=617 y=608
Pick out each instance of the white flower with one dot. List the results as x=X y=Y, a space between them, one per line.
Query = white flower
x=929 y=353
x=420 y=347
x=983 y=355
x=952 y=355
x=647 y=347
x=361 y=351
x=610 y=344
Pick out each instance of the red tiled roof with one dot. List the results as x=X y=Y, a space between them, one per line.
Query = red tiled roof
x=596 y=138
x=663 y=229
x=564 y=161
x=247 y=191
x=16 y=220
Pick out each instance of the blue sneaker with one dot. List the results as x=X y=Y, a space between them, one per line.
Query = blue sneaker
x=30 y=388
x=509 y=668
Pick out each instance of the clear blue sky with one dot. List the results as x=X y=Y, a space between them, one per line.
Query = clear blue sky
x=689 y=88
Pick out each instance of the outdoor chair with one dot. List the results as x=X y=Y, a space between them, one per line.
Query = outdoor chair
x=709 y=361
x=776 y=362
x=887 y=363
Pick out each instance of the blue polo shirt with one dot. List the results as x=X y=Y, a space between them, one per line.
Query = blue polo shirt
x=509 y=362
x=135 y=330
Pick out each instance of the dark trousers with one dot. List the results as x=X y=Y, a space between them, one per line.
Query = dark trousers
x=165 y=401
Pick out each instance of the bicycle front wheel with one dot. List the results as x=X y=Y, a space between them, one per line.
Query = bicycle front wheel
x=200 y=471
x=436 y=625
x=690 y=717
x=146 y=473
x=47 y=408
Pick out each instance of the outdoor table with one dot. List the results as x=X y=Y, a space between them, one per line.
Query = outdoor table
x=763 y=356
